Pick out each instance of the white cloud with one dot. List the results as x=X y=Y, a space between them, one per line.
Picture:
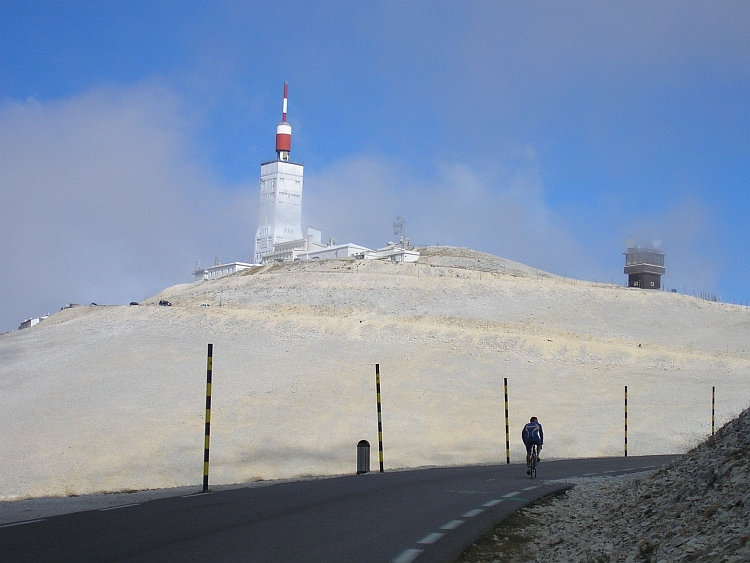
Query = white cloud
x=100 y=201
x=357 y=200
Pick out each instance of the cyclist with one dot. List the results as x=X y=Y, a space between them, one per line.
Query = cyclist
x=532 y=434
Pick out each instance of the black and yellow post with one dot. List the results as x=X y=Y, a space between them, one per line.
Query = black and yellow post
x=626 y=421
x=380 y=418
x=507 y=429
x=713 y=408
x=209 y=369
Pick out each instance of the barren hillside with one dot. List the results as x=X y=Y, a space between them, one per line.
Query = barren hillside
x=112 y=398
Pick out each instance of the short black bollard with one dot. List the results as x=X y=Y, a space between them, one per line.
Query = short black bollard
x=363 y=457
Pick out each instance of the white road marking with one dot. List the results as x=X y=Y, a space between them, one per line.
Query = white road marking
x=431 y=538
x=531 y=488
x=513 y=494
x=492 y=503
x=119 y=507
x=589 y=474
x=472 y=513
x=22 y=523
x=452 y=525
x=407 y=556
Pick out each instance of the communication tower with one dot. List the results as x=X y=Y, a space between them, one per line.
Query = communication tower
x=280 y=210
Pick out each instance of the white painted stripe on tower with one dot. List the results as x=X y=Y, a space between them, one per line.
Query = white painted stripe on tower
x=284 y=110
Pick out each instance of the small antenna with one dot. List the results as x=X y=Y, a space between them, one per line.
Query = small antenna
x=656 y=244
x=630 y=242
x=399 y=226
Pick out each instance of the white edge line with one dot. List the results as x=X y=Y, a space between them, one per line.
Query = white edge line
x=431 y=538
x=531 y=488
x=492 y=503
x=472 y=513
x=118 y=507
x=22 y=523
x=452 y=525
x=407 y=556
x=513 y=494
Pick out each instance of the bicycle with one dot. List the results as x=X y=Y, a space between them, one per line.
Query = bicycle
x=534 y=461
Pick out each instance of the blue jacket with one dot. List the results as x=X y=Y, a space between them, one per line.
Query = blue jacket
x=533 y=432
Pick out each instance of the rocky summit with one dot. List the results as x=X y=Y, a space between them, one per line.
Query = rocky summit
x=696 y=508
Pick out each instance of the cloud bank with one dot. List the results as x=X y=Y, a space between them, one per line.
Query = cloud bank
x=102 y=202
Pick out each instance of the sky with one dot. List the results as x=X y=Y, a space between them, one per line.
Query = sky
x=131 y=136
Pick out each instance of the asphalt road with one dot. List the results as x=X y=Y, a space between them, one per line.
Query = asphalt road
x=426 y=516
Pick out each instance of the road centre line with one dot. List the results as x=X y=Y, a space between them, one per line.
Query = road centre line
x=22 y=523
x=431 y=538
x=119 y=507
x=407 y=556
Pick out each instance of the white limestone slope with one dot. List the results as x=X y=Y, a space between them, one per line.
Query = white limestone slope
x=112 y=398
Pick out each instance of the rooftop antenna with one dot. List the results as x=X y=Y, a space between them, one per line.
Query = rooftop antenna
x=656 y=244
x=399 y=228
x=630 y=242
x=399 y=225
x=284 y=131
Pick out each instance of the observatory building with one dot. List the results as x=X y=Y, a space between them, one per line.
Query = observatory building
x=280 y=215
x=644 y=266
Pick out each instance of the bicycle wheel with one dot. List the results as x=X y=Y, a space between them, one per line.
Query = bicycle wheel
x=533 y=462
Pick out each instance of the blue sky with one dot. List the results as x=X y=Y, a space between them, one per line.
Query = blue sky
x=131 y=135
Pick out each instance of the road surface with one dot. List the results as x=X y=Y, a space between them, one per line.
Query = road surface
x=422 y=516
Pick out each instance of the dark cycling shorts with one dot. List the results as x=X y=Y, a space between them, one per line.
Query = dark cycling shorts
x=531 y=443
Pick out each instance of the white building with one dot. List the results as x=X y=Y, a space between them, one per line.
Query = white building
x=312 y=248
x=291 y=250
x=332 y=252
x=28 y=323
x=280 y=210
x=220 y=270
x=393 y=251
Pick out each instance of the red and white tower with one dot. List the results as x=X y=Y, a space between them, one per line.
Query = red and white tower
x=280 y=211
x=284 y=131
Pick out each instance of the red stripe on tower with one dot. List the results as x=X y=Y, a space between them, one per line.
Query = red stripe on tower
x=284 y=131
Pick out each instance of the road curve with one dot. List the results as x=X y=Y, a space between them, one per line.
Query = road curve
x=422 y=516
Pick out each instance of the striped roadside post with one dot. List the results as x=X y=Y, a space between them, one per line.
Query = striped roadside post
x=209 y=369
x=626 y=421
x=713 y=408
x=507 y=429
x=380 y=418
